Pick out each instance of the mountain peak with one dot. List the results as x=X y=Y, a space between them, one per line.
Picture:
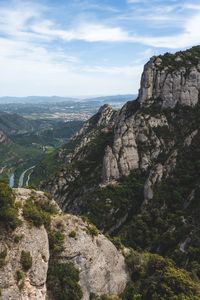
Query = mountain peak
x=171 y=79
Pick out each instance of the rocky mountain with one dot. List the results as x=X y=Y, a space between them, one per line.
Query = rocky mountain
x=46 y=254
x=134 y=172
x=75 y=150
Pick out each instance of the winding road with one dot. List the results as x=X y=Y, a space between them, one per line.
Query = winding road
x=21 y=178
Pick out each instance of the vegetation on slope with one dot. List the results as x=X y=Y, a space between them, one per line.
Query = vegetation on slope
x=157 y=278
x=8 y=210
x=186 y=59
x=62 y=281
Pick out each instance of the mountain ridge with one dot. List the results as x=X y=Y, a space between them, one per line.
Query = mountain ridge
x=134 y=173
x=142 y=148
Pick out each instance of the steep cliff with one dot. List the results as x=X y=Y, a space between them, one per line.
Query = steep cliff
x=46 y=243
x=138 y=176
x=135 y=174
x=168 y=82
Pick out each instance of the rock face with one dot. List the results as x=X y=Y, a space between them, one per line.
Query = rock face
x=135 y=144
x=143 y=132
x=35 y=241
x=101 y=124
x=166 y=81
x=180 y=85
x=105 y=117
x=102 y=267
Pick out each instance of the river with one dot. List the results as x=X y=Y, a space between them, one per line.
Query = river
x=12 y=180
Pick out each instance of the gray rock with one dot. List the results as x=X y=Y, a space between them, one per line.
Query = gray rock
x=170 y=86
x=102 y=267
x=35 y=241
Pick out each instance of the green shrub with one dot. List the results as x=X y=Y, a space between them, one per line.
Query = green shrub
x=56 y=241
x=131 y=293
x=8 y=211
x=72 y=234
x=32 y=214
x=93 y=296
x=35 y=215
x=3 y=255
x=26 y=260
x=18 y=238
x=62 y=281
x=46 y=204
x=19 y=275
x=158 y=278
x=92 y=230
x=117 y=242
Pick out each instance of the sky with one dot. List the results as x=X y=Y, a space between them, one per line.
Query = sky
x=88 y=47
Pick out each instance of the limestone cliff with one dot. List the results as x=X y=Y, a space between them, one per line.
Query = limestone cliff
x=143 y=136
x=101 y=266
x=14 y=282
x=137 y=175
x=167 y=81
x=171 y=80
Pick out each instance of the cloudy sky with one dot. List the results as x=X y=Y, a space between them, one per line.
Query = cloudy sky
x=88 y=47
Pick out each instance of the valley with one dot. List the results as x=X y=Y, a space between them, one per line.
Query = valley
x=33 y=127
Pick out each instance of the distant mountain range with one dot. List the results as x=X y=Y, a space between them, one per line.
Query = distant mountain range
x=56 y=99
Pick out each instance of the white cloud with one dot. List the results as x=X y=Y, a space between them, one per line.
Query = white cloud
x=189 y=37
x=30 y=66
x=86 y=32
x=191 y=6
x=28 y=76
x=96 y=32
x=27 y=24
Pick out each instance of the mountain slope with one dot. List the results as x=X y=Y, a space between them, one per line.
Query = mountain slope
x=15 y=124
x=91 y=133
x=45 y=254
x=138 y=177
x=135 y=174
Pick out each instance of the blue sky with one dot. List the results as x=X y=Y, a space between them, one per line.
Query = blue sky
x=88 y=47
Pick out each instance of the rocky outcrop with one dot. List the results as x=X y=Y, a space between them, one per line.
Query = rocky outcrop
x=155 y=176
x=135 y=145
x=103 y=120
x=147 y=137
x=166 y=81
x=34 y=240
x=110 y=167
x=105 y=117
x=102 y=267
x=169 y=84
